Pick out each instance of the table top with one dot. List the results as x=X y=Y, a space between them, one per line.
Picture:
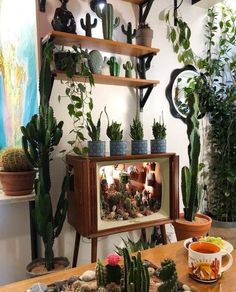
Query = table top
x=175 y=251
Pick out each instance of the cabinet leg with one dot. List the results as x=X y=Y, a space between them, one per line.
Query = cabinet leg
x=163 y=233
x=76 y=249
x=143 y=234
x=94 y=250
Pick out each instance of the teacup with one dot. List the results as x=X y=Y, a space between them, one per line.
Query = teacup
x=205 y=261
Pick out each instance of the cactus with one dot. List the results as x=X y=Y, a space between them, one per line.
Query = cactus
x=108 y=22
x=129 y=34
x=159 y=129
x=167 y=273
x=136 y=130
x=191 y=191
x=88 y=25
x=14 y=159
x=95 y=61
x=128 y=67
x=114 y=67
x=100 y=274
x=136 y=276
x=143 y=66
x=40 y=136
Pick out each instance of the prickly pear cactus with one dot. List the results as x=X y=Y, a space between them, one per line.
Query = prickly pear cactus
x=14 y=159
x=95 y=61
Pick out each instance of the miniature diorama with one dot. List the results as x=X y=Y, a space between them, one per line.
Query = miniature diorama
x=130 y=190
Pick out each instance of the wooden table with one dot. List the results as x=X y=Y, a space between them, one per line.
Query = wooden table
x=175 y=251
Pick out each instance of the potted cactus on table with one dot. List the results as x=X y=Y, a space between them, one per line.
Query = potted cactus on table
x=115 y=134
x=158 y=144
x=138 y=145
x=17 y=174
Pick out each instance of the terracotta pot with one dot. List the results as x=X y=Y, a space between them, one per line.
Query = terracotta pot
x=17 y=183
x=185 y=229
x=37 y=267
x=226 y=230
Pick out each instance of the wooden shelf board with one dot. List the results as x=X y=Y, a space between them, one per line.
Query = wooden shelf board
x=15 y=199
x=69 y=39
x=110 y=80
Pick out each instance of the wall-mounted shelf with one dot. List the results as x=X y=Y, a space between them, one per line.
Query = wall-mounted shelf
x=110 y=80
x=68 y=39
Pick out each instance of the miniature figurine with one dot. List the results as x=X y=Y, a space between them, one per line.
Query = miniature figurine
x=63 y=19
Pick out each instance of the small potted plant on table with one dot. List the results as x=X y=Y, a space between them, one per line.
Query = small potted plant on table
x=138 y=145
x=158 y=144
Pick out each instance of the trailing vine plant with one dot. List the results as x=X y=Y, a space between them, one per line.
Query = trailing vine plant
x=217 y=97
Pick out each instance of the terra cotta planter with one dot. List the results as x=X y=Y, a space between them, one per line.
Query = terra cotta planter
x=185 y=229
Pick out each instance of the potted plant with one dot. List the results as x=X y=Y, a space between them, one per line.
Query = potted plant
x=17 y=174
x=158 y=144
x=95 y=146
x=40 y=136
x=144 y=35
x=217 y=99
x=138 y=145
x=115 y=134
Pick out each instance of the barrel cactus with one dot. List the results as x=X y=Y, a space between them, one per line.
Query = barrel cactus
x=14 y=160
x=95 y=61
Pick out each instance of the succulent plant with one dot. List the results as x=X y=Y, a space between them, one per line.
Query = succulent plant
x=136 y=130
x=159 y=130
x=88 y=25
x=129 y=32
x=114 y=132
x=100 y=274
x=128 y=67
x=93 y=130
x=167 y=273
x=113 y=270
x=14 y=159
x=143 y=25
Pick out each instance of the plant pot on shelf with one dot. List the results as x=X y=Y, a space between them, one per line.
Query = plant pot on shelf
x=96 y=148
x=139 y=147
x=144 y=36
x=37 y=267
x=118 y=148
x=226 y=230
x=158 y=146
x=199 y=227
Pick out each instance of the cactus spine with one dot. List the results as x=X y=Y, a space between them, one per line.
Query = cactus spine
x=189 y=175
x=108 y=22
x=128 y=67
x=88 y=25
x=129 y=32
x=143 y=66
x=14 y=159
x=167 y=273
x=114 y=67
x=40 y=136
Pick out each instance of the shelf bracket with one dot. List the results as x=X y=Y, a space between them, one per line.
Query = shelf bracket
x=144 y=9
x=144 y=97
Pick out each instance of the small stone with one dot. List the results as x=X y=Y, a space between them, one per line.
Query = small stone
x=72 y=279
x=88 y=276
x=39 y=287
x=186 y=287
x=151 y=271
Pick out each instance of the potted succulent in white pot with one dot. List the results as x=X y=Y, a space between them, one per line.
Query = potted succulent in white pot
x=158 y=144
x=144 y=35
x=138 y=144
x=115 y=134
x=96 y=147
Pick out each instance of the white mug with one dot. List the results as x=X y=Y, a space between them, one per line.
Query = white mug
x=205 y=261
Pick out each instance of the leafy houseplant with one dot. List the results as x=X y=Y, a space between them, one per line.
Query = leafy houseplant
x=159 y=132
x=217 y=99
x=138 y=145
x=40 y=136
x=115 y=134
x=17 y=174
x=95 y=146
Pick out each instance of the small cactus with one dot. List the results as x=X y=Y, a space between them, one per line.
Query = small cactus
x=136 y=130
x=88 y=25
x=128 y=67
x=167 y=273
x=143 y=66
x=159 y=129
x=114 y=67
x=100 y=274
x=130 y=34
x=14 y=159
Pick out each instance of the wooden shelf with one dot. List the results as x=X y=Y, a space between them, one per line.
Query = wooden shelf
x=110 y=80
x=69 y=39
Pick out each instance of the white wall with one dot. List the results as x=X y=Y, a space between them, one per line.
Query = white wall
x=15 y=241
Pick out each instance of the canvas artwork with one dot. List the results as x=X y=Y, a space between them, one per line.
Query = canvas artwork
x=18 y=68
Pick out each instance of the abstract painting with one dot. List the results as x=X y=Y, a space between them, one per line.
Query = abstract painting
x=18 y=68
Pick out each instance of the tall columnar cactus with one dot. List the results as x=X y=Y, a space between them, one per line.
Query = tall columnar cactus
x=129 y=32
x=191 y=191
x=108 y=21
x=88 y=25
x=40 y=136
x=100 y=274
x=167 y=273
x=136 y=276
x=114 y=67
x=128 y=67
x=143 y=66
